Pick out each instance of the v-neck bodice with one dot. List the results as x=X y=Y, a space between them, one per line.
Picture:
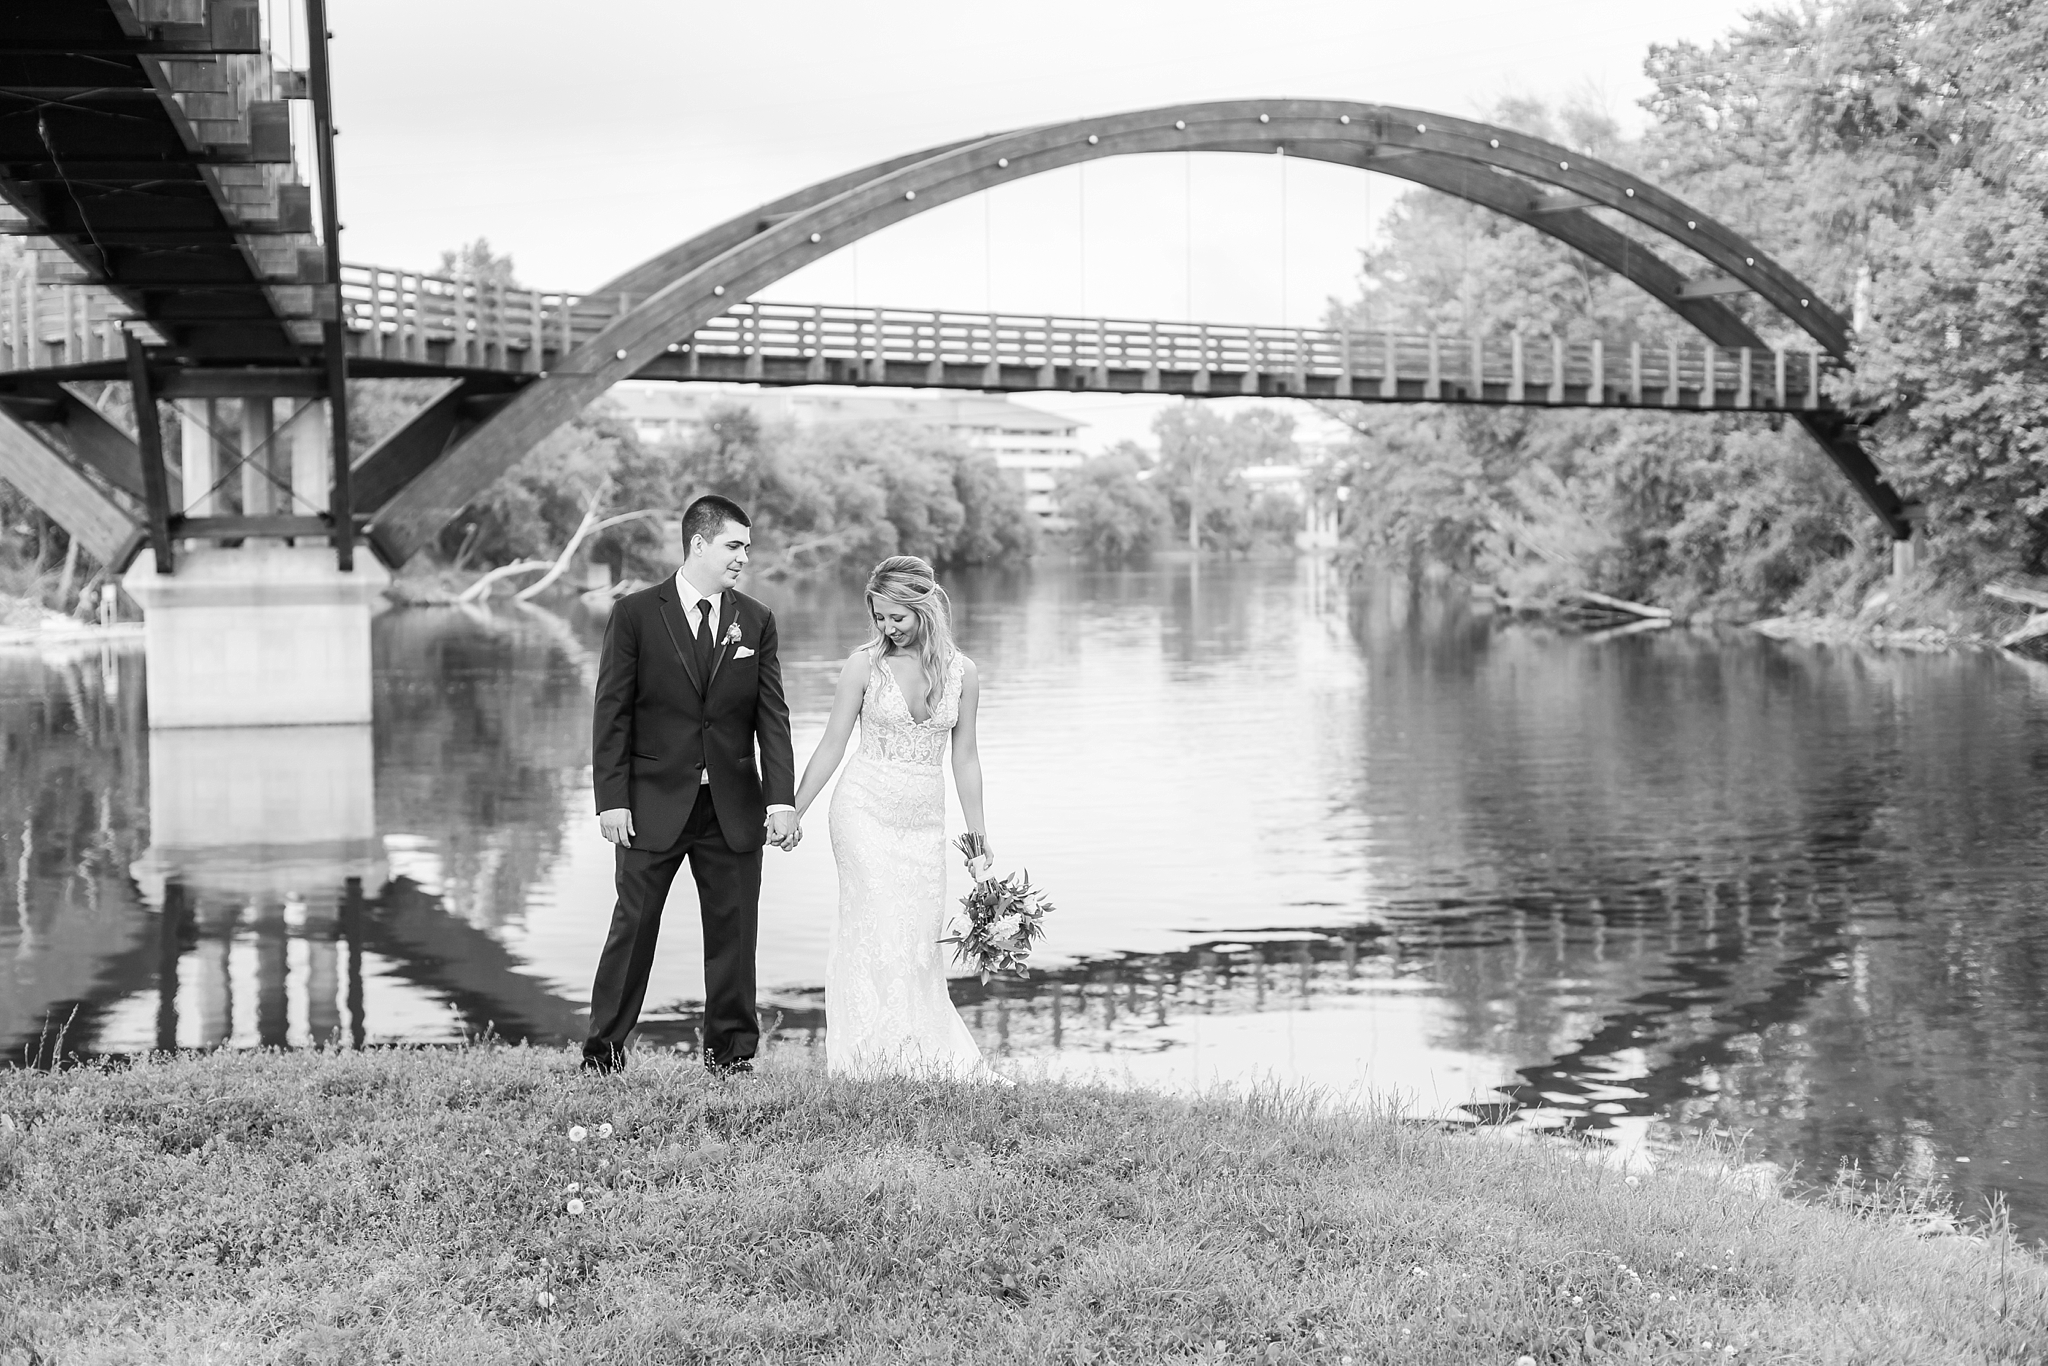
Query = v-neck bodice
x=889 y=731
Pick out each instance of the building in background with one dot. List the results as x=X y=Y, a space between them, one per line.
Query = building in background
x=1033 y=446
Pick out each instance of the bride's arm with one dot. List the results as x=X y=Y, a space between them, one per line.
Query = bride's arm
x=967 y=751
x=853 y=681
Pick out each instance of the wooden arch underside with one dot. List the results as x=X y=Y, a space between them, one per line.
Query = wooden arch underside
x=1494 y=167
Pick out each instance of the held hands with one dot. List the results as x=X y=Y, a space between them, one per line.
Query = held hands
x=617 y=824
x=785 y=832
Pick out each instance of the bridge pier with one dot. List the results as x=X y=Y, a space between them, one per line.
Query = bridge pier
x=260 y=634
x=260 y=829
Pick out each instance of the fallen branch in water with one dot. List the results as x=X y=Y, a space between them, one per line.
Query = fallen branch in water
x=2025 y=597
x=481 y=589
x=1634 y=609
x=588 y=528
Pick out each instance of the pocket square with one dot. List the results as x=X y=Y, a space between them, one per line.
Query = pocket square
x=743 y=652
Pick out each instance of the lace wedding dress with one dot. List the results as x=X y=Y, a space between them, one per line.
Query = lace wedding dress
x=886 y=1008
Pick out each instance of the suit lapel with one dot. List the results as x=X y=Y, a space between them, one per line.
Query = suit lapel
x=673 y=622
x=720 y=648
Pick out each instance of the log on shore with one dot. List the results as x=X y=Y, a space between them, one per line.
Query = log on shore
x=1622 y=605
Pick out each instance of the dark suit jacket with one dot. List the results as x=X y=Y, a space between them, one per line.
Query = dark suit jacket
x=658 y=726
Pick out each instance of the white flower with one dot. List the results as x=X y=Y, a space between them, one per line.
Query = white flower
x=604 y=1131
x=1578 y=1299
x=1630 y=1181
x=1418 y=1271
x=544 y=1300
x=577 y=1133
x=575 y=1207
x=732 y=634
x=574 y=1187
x=1656 y=1298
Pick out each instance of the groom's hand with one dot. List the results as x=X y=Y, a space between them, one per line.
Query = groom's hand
x=783 y=831
x=616 y=823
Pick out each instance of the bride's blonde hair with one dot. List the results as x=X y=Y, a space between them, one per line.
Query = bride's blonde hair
x=909 y=582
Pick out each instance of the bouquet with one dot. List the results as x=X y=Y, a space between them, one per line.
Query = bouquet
x=998 y=921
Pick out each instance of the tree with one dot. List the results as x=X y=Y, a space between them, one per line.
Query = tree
x=1201 y=458
x=1117 y=514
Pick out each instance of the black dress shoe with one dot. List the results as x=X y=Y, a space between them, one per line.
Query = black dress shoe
x=604 y=1066
x=738 y=1067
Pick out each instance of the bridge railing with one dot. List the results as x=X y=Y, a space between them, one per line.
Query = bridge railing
x=455 y=322
x=466 y=323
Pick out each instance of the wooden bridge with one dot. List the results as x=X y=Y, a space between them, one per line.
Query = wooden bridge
x=152 y=170
x=405 y=323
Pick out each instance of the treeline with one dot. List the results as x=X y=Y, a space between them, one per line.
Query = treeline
x=821 y=497
x=1887 y=154
x=1129 y=501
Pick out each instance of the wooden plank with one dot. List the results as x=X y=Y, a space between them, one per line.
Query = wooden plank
x=91 y=517
x=239 y=528
x=409 y=451
x=97 y=442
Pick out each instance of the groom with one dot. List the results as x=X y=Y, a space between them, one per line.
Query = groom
x=687 y=683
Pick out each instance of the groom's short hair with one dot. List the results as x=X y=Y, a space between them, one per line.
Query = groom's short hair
x=707 y=517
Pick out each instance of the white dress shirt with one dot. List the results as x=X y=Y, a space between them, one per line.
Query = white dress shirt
x=694 y=605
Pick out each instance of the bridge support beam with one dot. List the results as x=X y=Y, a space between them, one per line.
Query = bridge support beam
x=1837 y=437
x=260 y=634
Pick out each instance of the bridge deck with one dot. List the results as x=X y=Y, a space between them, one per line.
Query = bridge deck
x=408 y=322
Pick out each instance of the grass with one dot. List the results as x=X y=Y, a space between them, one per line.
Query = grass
x=415 y=1206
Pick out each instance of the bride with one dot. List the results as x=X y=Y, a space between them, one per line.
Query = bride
x=915 y=695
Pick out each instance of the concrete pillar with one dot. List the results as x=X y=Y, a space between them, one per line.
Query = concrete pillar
x=262 y=634
x=201 y=460
x=1905 y=558
x=259 y=495
x=311 y=440
x=323 y=988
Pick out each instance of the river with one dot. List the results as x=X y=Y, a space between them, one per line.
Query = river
x=1366 y=836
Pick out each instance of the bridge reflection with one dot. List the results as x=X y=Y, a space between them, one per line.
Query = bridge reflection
x=269 y=886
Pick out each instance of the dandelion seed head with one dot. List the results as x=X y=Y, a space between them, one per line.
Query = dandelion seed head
x=544 y=1300
x=575 y=1207
x=575 y=1186
x=604 y=1131
x=1578 y=1299
x=577 y=1133
x=1631 y=1181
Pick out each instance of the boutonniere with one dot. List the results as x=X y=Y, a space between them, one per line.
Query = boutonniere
x=732 y=634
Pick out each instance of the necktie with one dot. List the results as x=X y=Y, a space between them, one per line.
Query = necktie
x=703 y=637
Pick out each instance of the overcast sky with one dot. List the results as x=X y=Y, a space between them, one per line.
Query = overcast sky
x=583 y=138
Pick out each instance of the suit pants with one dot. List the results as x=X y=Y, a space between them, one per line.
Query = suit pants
x=729 y=894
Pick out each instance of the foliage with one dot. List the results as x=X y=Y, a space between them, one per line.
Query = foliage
x=1116 y=513
x=838 y=495
x=323 y=1206
x=1885 y=153
x=1202 y=458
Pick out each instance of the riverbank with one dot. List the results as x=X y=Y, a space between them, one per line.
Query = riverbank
x=490 y=1204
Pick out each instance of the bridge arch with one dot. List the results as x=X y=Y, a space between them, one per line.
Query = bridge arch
x=1494 y=167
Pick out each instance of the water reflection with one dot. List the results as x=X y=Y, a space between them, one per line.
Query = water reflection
x=1368 y=838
